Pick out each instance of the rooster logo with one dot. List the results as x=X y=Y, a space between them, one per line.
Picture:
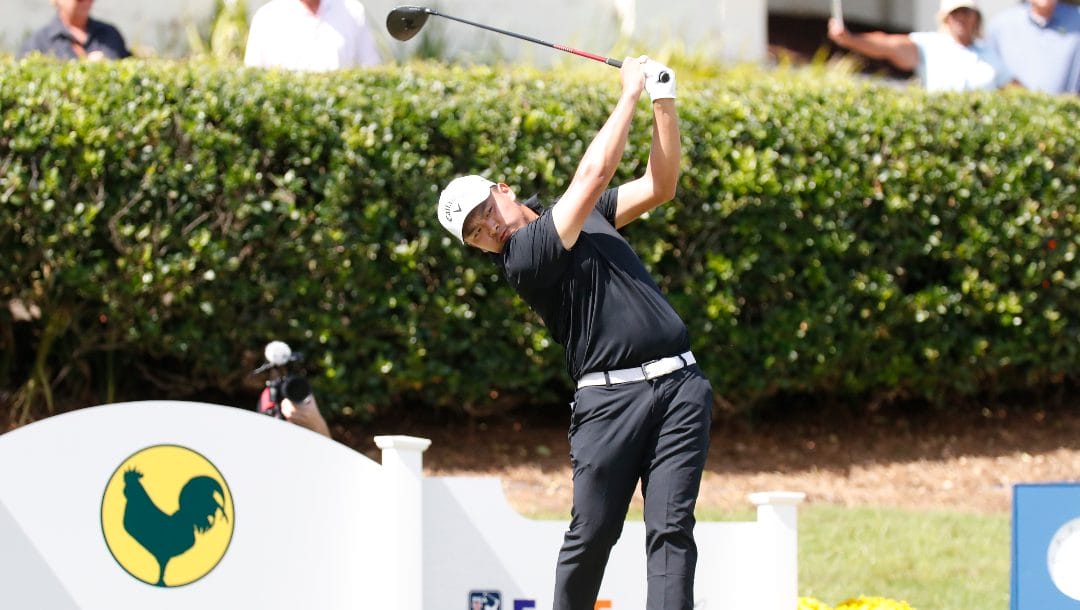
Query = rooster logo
x=166 y=516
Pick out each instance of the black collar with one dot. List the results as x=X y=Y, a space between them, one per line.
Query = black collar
x=533 y=203
x=56 y=29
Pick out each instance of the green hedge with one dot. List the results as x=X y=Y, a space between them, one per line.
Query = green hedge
x=829 y=237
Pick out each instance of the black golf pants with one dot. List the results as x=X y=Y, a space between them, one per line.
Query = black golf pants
x=656 y=431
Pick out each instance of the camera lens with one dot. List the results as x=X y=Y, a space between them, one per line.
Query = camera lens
x=296 y=388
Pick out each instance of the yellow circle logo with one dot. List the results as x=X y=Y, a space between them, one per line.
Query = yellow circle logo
x=167 y=516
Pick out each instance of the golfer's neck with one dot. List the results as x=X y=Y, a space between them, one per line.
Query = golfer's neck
x=313 y=5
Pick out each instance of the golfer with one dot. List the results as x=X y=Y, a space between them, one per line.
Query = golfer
x=642 y=408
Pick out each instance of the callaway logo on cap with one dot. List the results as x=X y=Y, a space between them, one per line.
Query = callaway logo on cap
x=459 y=198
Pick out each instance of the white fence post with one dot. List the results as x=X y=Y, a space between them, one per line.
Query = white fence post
x=777 y=515
x=402 y=463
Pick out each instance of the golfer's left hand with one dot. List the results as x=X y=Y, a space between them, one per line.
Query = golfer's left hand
x=659 y=89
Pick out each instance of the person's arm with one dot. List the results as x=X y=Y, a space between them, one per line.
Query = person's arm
x=897 y=49
x=601 y=158
x=658 y=184
x=305 y=414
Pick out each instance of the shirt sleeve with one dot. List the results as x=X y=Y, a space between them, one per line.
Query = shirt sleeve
x=253 y=50
x=534 y=257
x=367 y=53
x=1072 y=85
x=31 y=44
x=1002 y=74
x=608 y=204
x=921 y=38
x=117 y=44
x=926 y=43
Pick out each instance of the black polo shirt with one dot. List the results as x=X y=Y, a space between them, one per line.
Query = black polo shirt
x=55 y=39
x=597 y=299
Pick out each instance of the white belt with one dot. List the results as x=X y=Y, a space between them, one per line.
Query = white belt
x=649 y=370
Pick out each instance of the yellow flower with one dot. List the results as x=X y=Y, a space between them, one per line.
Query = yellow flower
x=809 y=603
x=873 y=603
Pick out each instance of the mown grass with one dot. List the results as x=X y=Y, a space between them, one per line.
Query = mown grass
x=934 y=560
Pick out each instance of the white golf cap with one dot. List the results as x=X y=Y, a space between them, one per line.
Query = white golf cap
x=459 y=198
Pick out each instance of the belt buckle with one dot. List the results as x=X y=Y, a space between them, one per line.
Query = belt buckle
x=645 y=373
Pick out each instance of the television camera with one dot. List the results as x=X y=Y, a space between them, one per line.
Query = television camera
x=284 y=381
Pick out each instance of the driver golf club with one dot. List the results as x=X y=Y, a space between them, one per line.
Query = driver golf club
x=405 y=21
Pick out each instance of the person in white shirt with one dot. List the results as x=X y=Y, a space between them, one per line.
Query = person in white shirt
x=951 y=59
x=310 y=36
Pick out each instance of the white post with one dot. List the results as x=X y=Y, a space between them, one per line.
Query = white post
x=402 y=464
x=777 y=516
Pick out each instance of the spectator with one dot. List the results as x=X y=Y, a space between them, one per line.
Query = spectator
x=951 y=59
x=305 y=414
x=73 y=34
x=1040 y=43
x=274 y=399
x=310 y=35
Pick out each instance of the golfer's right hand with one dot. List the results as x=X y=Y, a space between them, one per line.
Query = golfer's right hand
x=633 y=74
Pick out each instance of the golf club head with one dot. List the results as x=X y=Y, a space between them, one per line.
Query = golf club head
x=405 y=21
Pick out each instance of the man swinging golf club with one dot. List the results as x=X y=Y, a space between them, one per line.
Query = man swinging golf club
x=643 y=408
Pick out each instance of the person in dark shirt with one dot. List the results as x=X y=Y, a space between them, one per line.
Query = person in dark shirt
x=73 y=34
x=642 y=409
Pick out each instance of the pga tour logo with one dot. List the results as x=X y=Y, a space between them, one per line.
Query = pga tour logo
x=485 y=600
x=492 y=600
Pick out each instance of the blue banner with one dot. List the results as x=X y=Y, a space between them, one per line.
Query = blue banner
x=1046 y=547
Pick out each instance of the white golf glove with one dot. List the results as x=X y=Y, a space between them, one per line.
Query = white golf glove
x=658 y=88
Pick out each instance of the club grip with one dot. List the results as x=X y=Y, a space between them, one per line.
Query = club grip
x=663 y=77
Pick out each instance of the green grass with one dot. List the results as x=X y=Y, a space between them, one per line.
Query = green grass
x=934 y=560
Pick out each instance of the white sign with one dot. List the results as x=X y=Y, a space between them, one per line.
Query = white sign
x=298 y=510
x=182 y=505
